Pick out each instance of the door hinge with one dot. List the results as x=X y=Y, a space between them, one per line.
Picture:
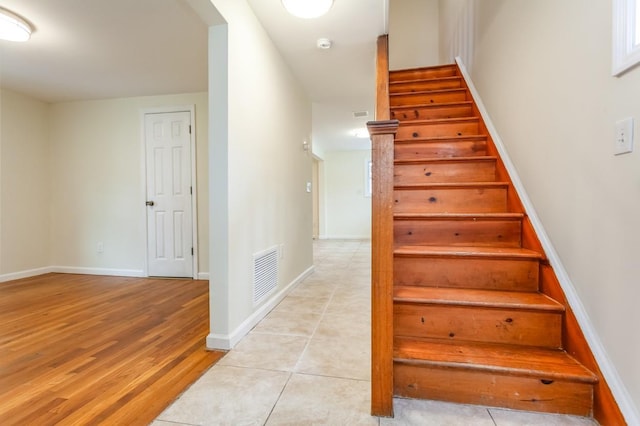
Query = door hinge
x=191 y=251
x=189 y=128
x=191 y=190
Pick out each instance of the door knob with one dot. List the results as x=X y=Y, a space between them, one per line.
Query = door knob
x=150 y=203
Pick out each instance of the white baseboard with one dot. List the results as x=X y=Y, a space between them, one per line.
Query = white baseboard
x=228 y=341
x=98 y=271
x=25 y=274
x=203 y=276
x=620 y=393
x=346 y=237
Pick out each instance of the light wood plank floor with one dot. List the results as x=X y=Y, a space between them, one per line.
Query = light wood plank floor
x=86 y=350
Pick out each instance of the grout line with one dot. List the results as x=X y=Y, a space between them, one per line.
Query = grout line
x=278 y=399
x=492 y=419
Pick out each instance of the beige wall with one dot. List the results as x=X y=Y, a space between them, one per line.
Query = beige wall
x=71 y=176
x=543 y=69
x=348 y=210
x=260 y=117
x=25 y=184
x=413 y=33
x=98 y=186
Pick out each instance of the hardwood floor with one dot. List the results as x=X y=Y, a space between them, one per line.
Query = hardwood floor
x=85 y=350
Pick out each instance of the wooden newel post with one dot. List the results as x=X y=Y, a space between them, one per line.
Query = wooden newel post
x=382 y=137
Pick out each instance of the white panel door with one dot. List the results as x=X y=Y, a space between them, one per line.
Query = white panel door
x=169 y=218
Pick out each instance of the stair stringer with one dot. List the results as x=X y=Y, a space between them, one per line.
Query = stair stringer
x=579 y=337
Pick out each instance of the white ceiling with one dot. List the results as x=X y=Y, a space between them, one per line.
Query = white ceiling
x=96 y=49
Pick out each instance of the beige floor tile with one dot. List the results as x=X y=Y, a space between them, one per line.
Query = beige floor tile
x=351 y=300
x=303 y=304
x=228 y=396
x=313 y=400
x=314 y=289
x=523 y=418
x=345 y=357
x=294 y=323
x=411 y=412
x=345 y=323
x=267 y=351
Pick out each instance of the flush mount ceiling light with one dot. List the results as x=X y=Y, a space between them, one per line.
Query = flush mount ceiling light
x=13 y=27
x=360 y=133
x=323 y=43
x=307 y=9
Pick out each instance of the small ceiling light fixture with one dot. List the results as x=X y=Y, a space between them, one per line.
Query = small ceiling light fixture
x=324 y=43
x=13 y=27
x=307 y=9
x=360 y=133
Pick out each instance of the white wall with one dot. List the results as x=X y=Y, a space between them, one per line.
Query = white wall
x=413 y=33
x=347 y=209
x=260 y=116
x=24 y=185
x=98 y=185
x=72 y=176
x=457 y=31
x=543 y=69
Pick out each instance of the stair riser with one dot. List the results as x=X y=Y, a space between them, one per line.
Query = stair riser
x=422 y=86
x=422 y=74
x=462 y=272
x=451 y=200
x=446 y=149
x=487 y=388
x=495 y=232
x=427 y=98
x=478 y=324
x=443 y=172
x=431 y=113
x=455 y=129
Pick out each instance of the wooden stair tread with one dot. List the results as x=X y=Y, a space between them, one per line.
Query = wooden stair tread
x=459 y=216
x=426 y=122
x=442 y=139
x=445 y=160
x=476 y=297
x=427 y=92
x=549 y=364
x=467 y=251
x=454 y=185
x=429 y=79
x=435 y=106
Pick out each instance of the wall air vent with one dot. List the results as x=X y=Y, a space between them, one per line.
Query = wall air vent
x=360 y=114
x=265 y=273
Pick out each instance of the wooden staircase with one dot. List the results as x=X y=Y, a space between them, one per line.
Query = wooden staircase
x=469 y=322
x=459 y=276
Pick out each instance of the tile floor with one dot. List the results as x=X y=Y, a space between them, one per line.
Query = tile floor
x=308 y=363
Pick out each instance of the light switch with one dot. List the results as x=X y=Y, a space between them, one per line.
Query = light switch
x=308 y=186
x=624 y=136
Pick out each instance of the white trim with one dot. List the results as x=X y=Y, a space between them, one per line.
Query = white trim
x=203 y=276
x=368 y=184
x=191 y=109
x=228 y=341
x=346 y=237
x=138 y=273
x=626 y=53
x=25 y=274
x=609 y=371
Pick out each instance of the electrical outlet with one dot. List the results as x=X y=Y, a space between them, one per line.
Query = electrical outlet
x=624 y=136
x=100 y=247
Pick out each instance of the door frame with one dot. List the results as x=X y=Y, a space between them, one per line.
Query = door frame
x=191 y=109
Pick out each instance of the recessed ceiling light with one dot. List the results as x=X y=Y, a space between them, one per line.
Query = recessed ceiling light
x=13 y=27
x=360 y=133
x=307 y=9
x=323 y=43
